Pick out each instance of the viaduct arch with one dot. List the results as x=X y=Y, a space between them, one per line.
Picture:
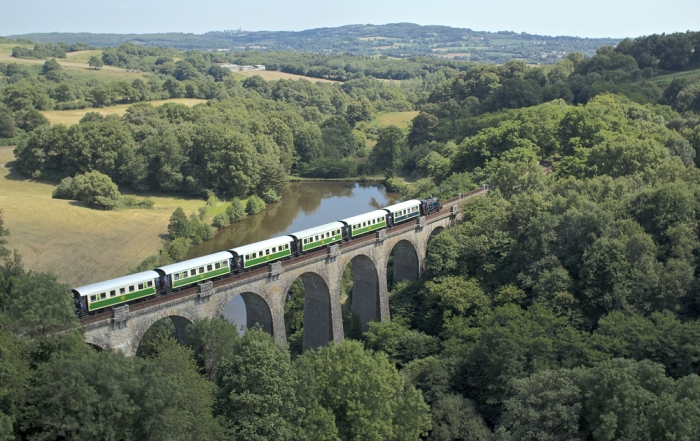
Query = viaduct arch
x=264 y=289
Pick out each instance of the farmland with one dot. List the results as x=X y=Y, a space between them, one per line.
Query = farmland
x=70 y=117
x=270 y=75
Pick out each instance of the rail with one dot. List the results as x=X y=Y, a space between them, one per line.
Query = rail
x=293 y=262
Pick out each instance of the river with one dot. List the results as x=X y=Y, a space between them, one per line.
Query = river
x=303 y=205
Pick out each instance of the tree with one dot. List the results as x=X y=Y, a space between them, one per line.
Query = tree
x=95 y=62
x=544 y=406
x=38 y=305
x=257 y=390
x=96 y=189
x=386 y=155
x=179 y=225
x=364 y=392
x=235 y=211
x=178 y=248
x=456 y=418
x=7 y=122
x=212 y=341
x=359 y=111
x=254 y=205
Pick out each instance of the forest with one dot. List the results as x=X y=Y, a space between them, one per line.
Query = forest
x=564 y=306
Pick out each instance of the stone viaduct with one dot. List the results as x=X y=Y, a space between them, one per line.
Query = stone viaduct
x=264 y=290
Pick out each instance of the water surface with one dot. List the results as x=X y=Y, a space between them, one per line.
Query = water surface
x=303 y=205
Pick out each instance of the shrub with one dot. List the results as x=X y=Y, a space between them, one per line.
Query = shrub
x=271 y=196
x=178 y=248
x=130 y=202
x=328 y=168
x=255 y=205
x=221 y=220
x=235 y=211
x=94 y=188
x=64 y=189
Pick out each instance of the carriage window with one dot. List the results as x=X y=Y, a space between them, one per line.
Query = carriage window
x=364 y=224
x=217 y=265
x=132 y=288
x=140 y=285
x=176 y=277
x=103 y=295
x=150 y=284
x=201 y=269
x=184 y=275
x=274 y=249
x=193 y=272
x=286 y=246
x=112 y=293
x=267 y=252
x=122 y=290
x=208 y=267
x=93 y=298
x=224 y=263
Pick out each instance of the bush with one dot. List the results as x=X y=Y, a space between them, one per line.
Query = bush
x=271 y=196
x=130 y=202
x=220 y=221
x=64 y=189
x=235 y=211
x=93 y=188
x=255 y=205
x=201 y=231
x=178 y=248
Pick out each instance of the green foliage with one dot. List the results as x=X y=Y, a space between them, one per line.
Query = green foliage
x=179 y=225
x=37 y=304
x=130 y=202
x=93 y=188
x=364 y=392
x=178 y=248
x=256 y=390
x=270 y=196
x=254 y=205
x=212 y=342
x=235 y=211
x=387 y=154
x=220 y=221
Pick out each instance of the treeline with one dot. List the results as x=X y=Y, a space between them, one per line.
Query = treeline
x=48 y=50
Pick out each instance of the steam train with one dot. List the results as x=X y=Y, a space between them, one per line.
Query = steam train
x=97 y=296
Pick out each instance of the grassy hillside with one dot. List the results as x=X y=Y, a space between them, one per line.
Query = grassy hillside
x=79 y=244
x=70 y=117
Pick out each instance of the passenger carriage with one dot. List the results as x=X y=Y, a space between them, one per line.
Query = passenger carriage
x=196 y=270
x=365 y=223
x=113 y=292
x=316 y=237
x=403 y=211
x=258 y=253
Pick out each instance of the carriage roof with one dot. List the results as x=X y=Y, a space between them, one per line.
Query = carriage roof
x=107 y=285
x=402 y=206
x=317 y=230
x=363 y=217
x=265 y=244
x=198 y=261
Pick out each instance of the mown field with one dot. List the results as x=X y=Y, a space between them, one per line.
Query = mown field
x=70 y=117
x=665 y=80
x=271 y=75
x=399 y=119
x=79 y=244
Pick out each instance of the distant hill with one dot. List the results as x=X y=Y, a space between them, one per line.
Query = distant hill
x=398 y=40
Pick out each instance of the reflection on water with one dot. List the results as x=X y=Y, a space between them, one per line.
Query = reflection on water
x=303 y=205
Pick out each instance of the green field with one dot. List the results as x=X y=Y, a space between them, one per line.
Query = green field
x=70 y=117
x=400 y=119
x=665 y=80
x=79 y=244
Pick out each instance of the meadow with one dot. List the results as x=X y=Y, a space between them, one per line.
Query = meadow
x=70 y=117
x=79 y=244
x=665 y=80
x=272 y=75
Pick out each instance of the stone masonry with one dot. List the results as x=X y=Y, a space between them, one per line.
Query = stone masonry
x=264 y=293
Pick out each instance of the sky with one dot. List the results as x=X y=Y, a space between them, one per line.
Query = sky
x=590 y=18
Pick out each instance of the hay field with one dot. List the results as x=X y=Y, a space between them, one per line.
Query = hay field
x=400 y=119
x=82 y=56
x=79 y=244
x=271 y=75
x=70 y=117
